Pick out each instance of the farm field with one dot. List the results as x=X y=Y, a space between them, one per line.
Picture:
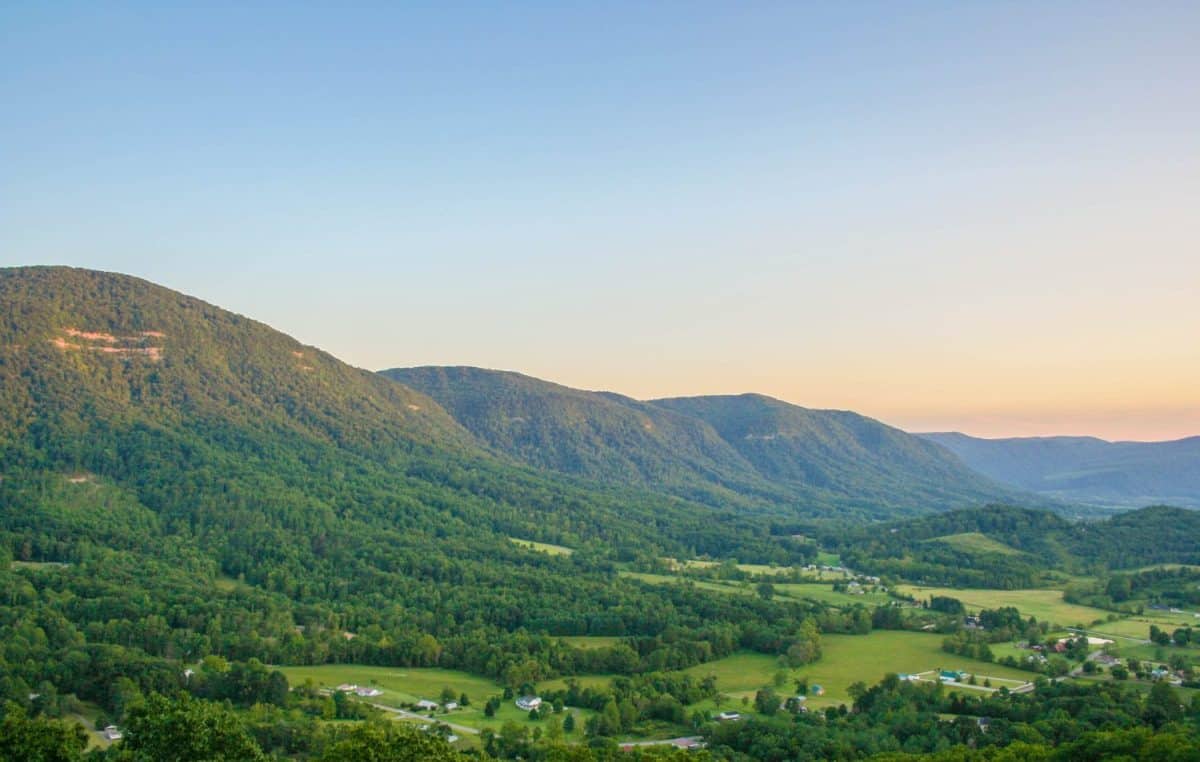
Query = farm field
x=846 y=659
x=405 y=685
x=1046 y=605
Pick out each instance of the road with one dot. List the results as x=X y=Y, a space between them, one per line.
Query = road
x=427 y=718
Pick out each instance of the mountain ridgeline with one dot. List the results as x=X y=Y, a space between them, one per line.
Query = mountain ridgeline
x=1086 y=470
x=747 y=450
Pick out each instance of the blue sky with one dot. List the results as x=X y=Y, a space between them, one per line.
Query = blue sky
x=948 y=215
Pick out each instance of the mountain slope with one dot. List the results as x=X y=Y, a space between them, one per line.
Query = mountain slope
x=1086 y=469
x=747 y=450
x=213 y=420
x=845 y=455
x=595 y=435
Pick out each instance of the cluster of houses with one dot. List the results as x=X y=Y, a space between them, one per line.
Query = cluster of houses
x=359 y=690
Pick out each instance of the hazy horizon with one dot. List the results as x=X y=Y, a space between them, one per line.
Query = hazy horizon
x=968 y=217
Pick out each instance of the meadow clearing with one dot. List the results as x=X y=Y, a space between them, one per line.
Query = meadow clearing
x=1045 y=604
x=542 y=547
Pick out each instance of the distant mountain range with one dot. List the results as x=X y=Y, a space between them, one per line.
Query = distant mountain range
x=1085 y=469
x=745 y=450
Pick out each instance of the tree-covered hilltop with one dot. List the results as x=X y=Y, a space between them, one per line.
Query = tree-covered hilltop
x=857 y=461
x=748 y=450
x=596 y=435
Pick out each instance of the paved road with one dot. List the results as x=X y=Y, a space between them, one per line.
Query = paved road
x=414 y=716
x=661 y=741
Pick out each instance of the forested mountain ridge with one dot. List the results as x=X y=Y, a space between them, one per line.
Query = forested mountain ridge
x=850 y=456
x=594 y=435
x=745 y=450
x=1086 y=469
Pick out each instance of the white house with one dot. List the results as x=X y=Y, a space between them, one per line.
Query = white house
x=525 y=703
x=346 y=688
x=728 y=716
x=450 y=706
x=112 y=734
x=427 y=705
x=368 y=692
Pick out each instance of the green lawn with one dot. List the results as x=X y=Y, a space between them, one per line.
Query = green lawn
x=848 y=659
x=542 y=547
x=408 y=685
x=1046 y=605
x=976 y=542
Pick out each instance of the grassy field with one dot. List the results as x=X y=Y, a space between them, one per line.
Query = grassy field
x=590 y=641
x=847 y=659
x=1046 y=605
x=976 y=542
x=543 y=547
x=1138 y=626
x=825 y=593
x=408 y=685
x=729 y=588
x=39 y=565
x=818 y=591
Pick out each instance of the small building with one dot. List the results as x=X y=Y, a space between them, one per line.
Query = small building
x=526 y=703
x=427 y=705
x=450 y=706
x=907 y=678
x=346 y=688
x=368 y=692
x=816 y=690
x=451 y=738
x=984 y=723
x=951 y=676
x=728 y=716
x=112 y=733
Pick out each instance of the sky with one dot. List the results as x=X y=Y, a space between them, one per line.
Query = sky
x=975 y=216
